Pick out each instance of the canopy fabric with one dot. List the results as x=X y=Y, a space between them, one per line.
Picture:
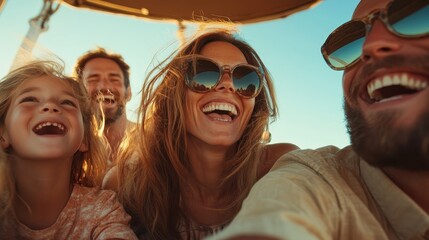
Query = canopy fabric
x=2 y=2
x=240 y=11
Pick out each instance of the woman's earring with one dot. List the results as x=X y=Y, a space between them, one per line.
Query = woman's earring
x=266 y=135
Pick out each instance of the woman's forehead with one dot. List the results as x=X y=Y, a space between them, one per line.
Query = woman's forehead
x=223 y=53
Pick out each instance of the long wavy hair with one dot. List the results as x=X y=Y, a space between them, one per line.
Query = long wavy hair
x=158 y=167
x=88 y=167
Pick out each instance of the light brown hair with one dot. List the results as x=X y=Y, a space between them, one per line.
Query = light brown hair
x=88 y=167
x=150 y=182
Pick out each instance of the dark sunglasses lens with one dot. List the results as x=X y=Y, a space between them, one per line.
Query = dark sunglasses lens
x=202 y=75
x=345 y=45
x=246 y=81
x=410 y=18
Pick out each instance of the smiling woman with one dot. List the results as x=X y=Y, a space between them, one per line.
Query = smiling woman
x=199 y=147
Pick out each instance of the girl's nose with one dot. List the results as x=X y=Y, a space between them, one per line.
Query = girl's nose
x=50 y=107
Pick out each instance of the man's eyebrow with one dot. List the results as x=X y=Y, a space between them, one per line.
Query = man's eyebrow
x=93 y=75
x=114 y=74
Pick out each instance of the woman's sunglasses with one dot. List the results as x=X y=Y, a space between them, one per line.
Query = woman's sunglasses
x=203 y=75
x=405 y=18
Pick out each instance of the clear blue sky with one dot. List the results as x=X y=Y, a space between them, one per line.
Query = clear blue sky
x=309 y=93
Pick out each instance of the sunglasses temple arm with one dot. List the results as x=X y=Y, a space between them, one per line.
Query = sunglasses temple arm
x=338 y=60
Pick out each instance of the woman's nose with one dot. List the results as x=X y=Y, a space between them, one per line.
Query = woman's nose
x=225 y=83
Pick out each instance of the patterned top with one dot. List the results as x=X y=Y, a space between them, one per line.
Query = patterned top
x=89 y=214
x=192 y=231
x=196 y=231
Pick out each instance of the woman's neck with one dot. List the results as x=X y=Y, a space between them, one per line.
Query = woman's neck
x=207 y=163
x=207 y=208
x=203 y=199
x=43 y=189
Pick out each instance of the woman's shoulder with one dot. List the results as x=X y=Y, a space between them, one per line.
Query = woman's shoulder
x=278 y=149
x=91 y=194
x=271 y=153
x=111 y=178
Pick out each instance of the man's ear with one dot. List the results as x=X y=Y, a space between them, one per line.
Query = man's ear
x=128 y=94
x=4 y=141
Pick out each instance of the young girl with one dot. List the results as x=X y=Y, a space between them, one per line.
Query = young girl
x=51 y=159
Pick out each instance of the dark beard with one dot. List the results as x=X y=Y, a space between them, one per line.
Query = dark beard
x=110 y=115
x=113 y=115
x=382 y=144
x=378 y=140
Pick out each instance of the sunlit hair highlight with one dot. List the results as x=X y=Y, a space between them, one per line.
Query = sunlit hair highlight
x=159 y=167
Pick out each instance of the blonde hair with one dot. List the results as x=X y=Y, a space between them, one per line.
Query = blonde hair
x=149 y=184
x=88 y=167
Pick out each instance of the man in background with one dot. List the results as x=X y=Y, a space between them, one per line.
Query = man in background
x=106 y=77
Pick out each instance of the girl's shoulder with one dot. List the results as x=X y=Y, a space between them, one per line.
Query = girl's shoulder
x=92 y=196
x=90 y=212
x=101 y=211
x=271 y=153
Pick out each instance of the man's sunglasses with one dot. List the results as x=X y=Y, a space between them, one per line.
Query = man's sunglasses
x=203 y=75
x=405 y=18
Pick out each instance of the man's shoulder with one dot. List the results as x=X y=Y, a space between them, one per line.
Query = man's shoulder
x=131 y=125
x=322 y=159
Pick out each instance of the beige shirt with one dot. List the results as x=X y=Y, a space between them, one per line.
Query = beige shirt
x=89 y=214
x=328 y=194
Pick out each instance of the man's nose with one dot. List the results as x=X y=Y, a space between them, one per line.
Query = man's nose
x=104 y=83
x=379 y=43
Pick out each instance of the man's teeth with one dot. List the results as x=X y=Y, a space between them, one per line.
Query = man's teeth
x=101 y=97
x=47 y=124
x=399 y=80
x=109 y=97
x=221 y=107
x=106 y=99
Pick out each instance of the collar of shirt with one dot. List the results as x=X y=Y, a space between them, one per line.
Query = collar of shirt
x=405 y=216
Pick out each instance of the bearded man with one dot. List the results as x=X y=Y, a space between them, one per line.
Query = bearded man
x=377 y=188
x=106 y=77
